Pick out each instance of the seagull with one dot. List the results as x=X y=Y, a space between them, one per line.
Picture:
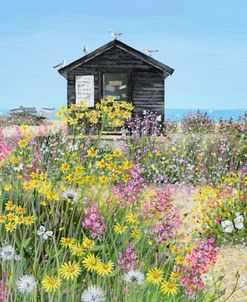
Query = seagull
x=115 y=34
x=60 y=65
x=85 y=50
x=150 y=51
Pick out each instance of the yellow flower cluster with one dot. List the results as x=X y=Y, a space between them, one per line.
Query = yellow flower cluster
x=108 y=112
x=169 y=288
x=116 y=112
x=15 y=216
x=90 y=262
x=221 y=202
x=93 y=263
x=111 y=167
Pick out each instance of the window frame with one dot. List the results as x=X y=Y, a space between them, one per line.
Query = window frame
x=129 y=82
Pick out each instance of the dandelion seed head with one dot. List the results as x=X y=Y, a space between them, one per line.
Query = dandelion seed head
x=26 y=284
x=93 y=294
x=7 y=252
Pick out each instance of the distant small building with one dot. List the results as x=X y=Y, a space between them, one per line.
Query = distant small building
x=118 y=70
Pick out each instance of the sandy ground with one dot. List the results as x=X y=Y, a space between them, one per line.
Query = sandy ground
x=51 y=127
x=230 y=259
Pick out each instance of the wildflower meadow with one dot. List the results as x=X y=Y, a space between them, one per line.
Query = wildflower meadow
x=88 y=217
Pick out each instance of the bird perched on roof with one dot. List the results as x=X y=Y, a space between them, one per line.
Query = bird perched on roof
x=115 y=34
x=60 y=65
x=150 y=51
x=85 y=50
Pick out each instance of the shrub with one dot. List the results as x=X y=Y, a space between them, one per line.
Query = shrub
x=197 y=123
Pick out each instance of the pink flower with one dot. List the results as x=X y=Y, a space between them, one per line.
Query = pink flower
x=5 y=148
x=128 y=259
x=126 y=290
x=163 y=215
x=93 y=220
x=199 y=259
x=4 y=293
x=128 y=192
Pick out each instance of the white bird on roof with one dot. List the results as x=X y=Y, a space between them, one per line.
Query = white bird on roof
x=150 y=51
x=115 y=34
x=85 y=50
x=60 y=65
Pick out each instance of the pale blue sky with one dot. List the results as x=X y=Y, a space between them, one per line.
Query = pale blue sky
x=205 y=41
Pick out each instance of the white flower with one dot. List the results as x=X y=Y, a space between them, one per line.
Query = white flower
x=93 y=294
x=44 y=233
x=134 y=276
x=158 y=119
x=26 y=284
x=18 y=168
x=7 y=252
x=71 y=195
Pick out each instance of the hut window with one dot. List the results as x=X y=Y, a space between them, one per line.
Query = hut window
x=115 y=84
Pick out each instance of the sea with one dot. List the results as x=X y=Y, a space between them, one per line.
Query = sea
x=177 y=114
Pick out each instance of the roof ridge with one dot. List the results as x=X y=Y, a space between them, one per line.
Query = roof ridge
x=123 y=46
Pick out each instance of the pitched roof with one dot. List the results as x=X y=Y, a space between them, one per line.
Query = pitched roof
x=116 y=43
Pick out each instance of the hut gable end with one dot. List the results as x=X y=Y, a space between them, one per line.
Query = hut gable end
x=114 y=59
x=126 y=49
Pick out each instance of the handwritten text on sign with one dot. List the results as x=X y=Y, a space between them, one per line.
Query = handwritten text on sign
x=85 y=89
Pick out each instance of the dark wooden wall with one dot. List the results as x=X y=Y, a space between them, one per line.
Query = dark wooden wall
x=147 y=82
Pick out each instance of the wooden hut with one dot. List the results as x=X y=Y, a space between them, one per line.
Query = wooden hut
x=118 y=70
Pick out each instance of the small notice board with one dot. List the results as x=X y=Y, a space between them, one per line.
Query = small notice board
x=84 y=88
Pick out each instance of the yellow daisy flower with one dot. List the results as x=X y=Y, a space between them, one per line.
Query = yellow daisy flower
x=91 y=262
x=22 y=143
x=10 y=206
x=51 y=195
x=29 y=135
x=10 y=227
x=169 y=288
x=2 y=218
x=103 y=179
x=23 y=127
x=51 y=283
x=77 y=249
x=88 y=243
x=104 y=269
x=67 y=241
x=20 y=210
x=155 y=275
x=11 y=216
x=70 y=270
x=29 y=220
x=27 y=185
x=19 y=219
x=7 y=187
x=175 y=250
x=92 y=152
x=64 y=167
x=135 y=233
x=132 y=218
x=174 y=277
x=119 y=229
x=117 y=152
x=180 y=260
x=125 y=178
x=79 y=169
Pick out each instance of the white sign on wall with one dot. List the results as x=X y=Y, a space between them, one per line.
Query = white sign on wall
x=84 y=89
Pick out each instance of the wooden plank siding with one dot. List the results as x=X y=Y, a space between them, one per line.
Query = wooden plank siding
x=146 y=81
